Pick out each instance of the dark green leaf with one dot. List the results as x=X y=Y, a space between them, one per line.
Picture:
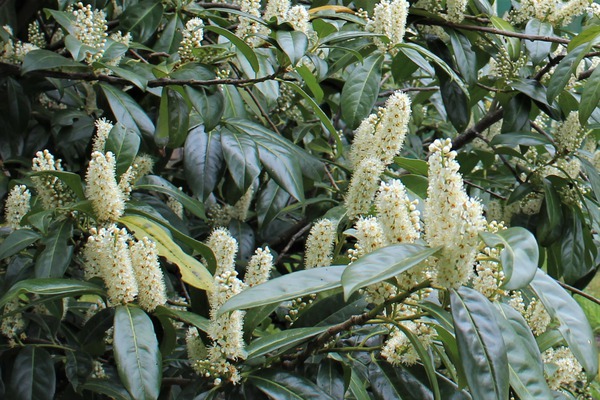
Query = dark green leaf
x=78 y=367
x=242 y=159
x=282 y=167
x=390 y=383
x=124 y=144
x=456 y=102
x=53 y=261
x=524 y=358
x=383 y=264
x=17 y=241
x=550 y=226
x=520 y=139
x=330 y=378
x=480 y=345
x=171 y=36
x=254 y=317
x=590 y=98
x=538 y=49
x=239 y=43
x=281 y=341
x=286 y=287
x=280 y=385
x=160 y=185
x=465 y=56
x=270 y=201
x=311 y=82
x=210 y=106
x=127 y=111
x=188 y=317
x=37 y=60
x=73 y=181
x=519 y=255
x=108 y=387
x=173 y=119
x=92 y=335
x=293 y=44
x=564 y=70
x=203 y=161
x=516 y=114
x=142 y=20
x=360 y=91
x=51 y=287
x=126 y=73
x=136 y=353
x=574 y=326
x=33 y=376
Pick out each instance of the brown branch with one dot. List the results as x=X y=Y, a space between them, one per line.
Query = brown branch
x=495 y=31
x=218 y=5
x=473 y=184
x=579 y=292
x=467 y=136
x=10 y=69
x=410 y=89
x=289 y=244
x=586 y=74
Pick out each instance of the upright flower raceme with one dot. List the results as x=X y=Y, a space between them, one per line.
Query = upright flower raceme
x=90 y=28
x=363 y=186
x=225 y=248
x=398 y=215
x=452 y=219
x=103 y=128
x=192 y=39
x=569 y=135
x=149 y=276
x=259 y=267
x=319 y=244
x=102 y=188
x=389 y=19
x=52 y=191
x=17 y=205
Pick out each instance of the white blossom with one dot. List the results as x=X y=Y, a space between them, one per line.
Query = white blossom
x=17 y=205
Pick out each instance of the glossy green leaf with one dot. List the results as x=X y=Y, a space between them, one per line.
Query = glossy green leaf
x=465 y=56
x=383 y=264
x=360 y=91
x=524 y=358
x=202 y=161
x=391 y=383
x=480 y=345
x=281 y=341
x=51 y=287
x=311 y=82
x=412 y=165
x=53 y=261
x=126 y=110
x=33 y=376
x=550 y=227
x=237 y=42
x=78 y=366
x=211 y=107
x=574 y=326
x=520 y=139
x=173 y=119
x=282 y=167
x=142 y=20
x=590 y=98
x=588 y=35
x=37 y=60
x=513 y=45
x=241 y=156
x=519 y=255
x=136 y=353
x=281 y=385
x=564 y=70
x=107 y=387
x=270 y=201
x=286 y=287
x=17 y=241
x=254 y=317
x=293 y=44
x=330 y=378
x=185 y=316
x=124 y=144
x=171 y=36
x=538 y=49
x=157 y=184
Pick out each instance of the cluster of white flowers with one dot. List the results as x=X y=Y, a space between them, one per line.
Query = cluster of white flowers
x=398 y=350
x=124 y=39
x=489 y=275
x=102 y=188
x=176 y=206
x=52 y=191
x=297 y=16
x=556 y=12
x=452 y=219
x=17 y=205
x=534 y=313
x=151 y=282
x=504 y=67
x=241 y=207
x=569 y=135
x=455 y=9
x=35 y=35
x=103 y=128
x=192 y=39
x=567 y=369
x=90 y=28
x=248 y=28
x=389 y=19
x=363 y=186
x=319 y=244
x=12 y=325
x=225 y=248
x=259 y=267
x=398 y=215
x=13 y=50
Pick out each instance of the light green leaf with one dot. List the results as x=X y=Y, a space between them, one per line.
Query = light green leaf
x=286 y=287
x=281 y=341
x=37 y=60
x=51 y=287
x=590 y=98
x=538 y=49
x=293 y=44
x=383 y=264
x=237 y=42
x=17 y=241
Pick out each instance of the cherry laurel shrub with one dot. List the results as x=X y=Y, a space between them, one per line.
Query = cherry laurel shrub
x=299 y=200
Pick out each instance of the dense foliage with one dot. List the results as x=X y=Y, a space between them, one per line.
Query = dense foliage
x=325 y=199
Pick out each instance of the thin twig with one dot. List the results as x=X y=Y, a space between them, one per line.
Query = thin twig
x=485 y=190
x=579 y=292
x=330 y=177
x=410 y=89
x=292 y=240
x=467 y=136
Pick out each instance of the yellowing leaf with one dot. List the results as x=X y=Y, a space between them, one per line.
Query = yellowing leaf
x=338 y=9
x=192 y=270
